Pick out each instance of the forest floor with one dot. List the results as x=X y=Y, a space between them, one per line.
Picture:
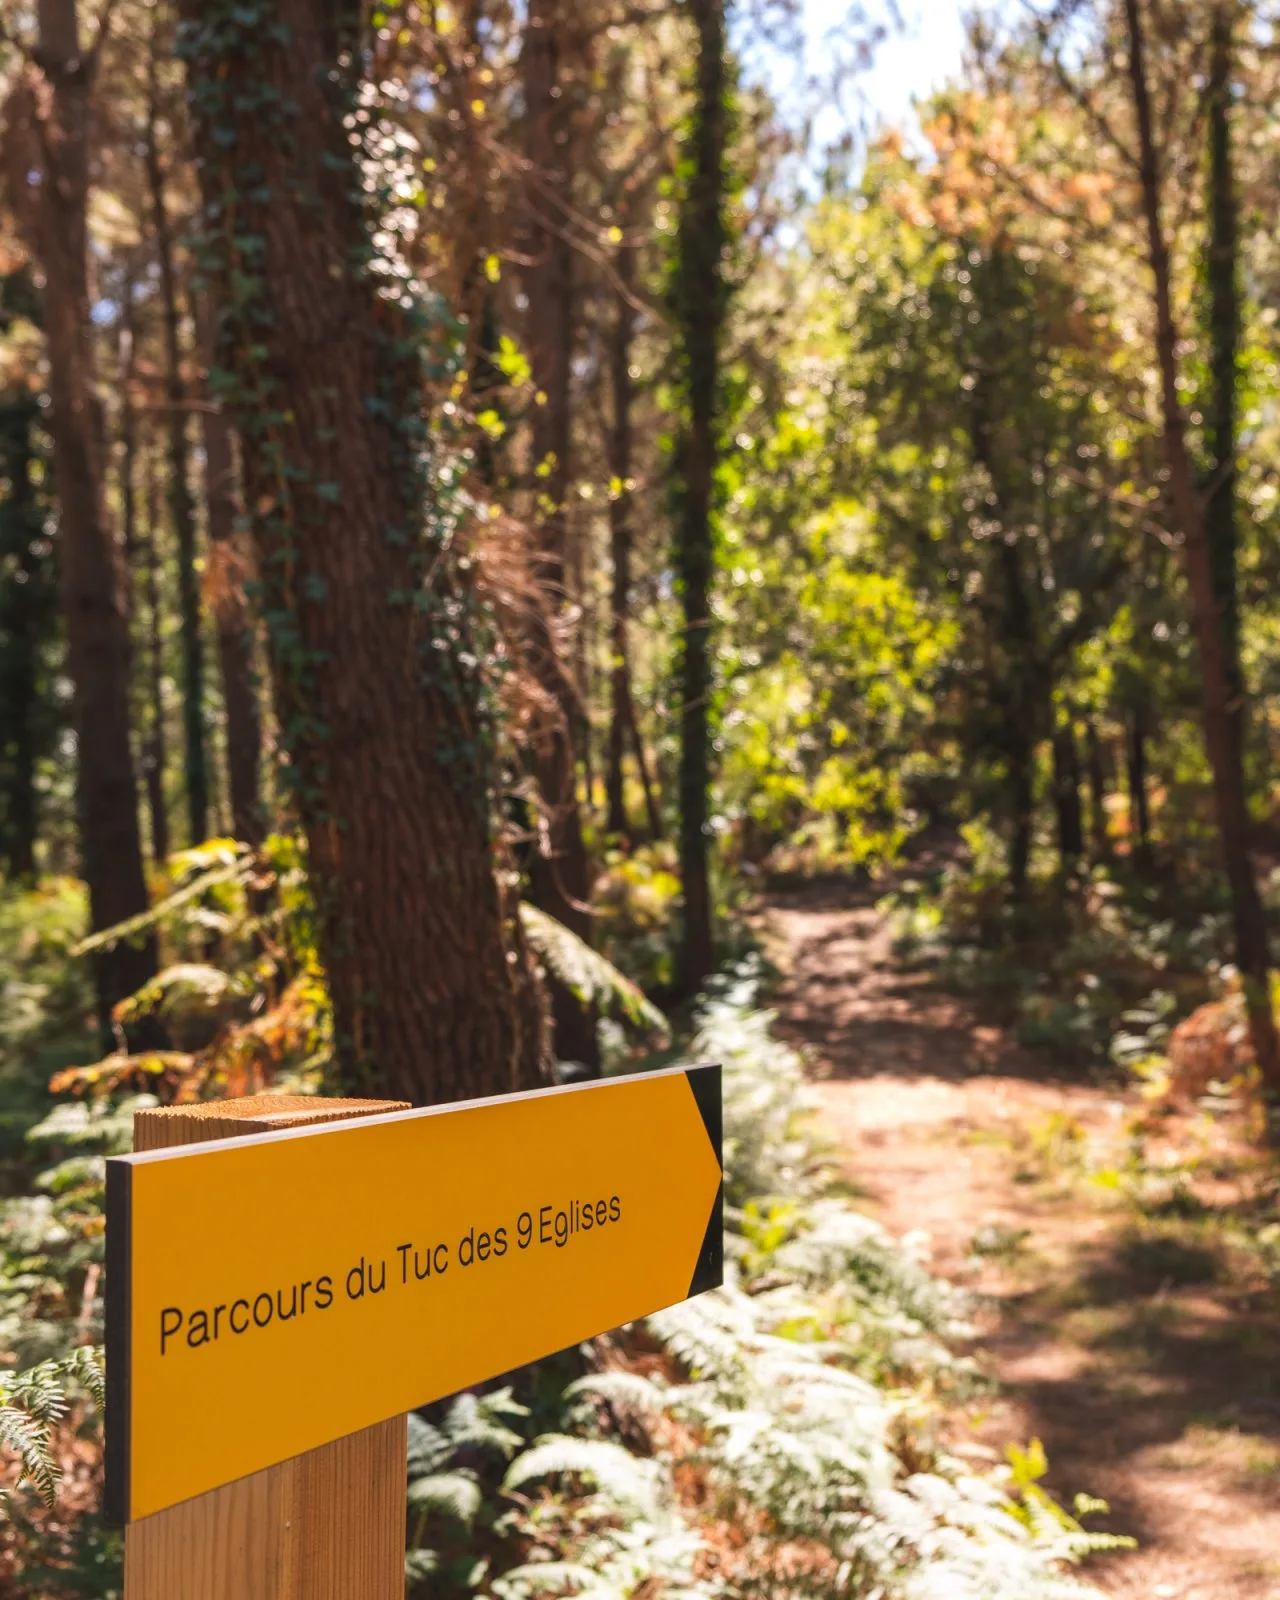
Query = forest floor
x=1128 y=1341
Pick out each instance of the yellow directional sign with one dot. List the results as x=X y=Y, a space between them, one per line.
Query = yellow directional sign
x=267 y=1295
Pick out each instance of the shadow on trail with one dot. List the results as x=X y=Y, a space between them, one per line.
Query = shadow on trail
x=863 y=1012
x=1133 y=1346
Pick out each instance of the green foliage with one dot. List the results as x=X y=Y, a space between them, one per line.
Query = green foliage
x=51 y=1240
x=46 y=1000
x=806 y=1388
x=636 y=903
x=446 y=1497
x=587 y=975
x=35 y=1402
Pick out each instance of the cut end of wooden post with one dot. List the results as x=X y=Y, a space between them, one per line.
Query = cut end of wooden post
x=162 y=1127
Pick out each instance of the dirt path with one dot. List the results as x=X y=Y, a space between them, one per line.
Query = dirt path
x=1123 y=1340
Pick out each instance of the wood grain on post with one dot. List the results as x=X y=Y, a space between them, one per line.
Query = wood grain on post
x=325 y=1525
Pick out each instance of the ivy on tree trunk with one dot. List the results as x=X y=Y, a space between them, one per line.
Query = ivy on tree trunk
x=700 y=302
x=376 y=637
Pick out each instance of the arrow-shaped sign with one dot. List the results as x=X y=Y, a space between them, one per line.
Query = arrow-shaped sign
x=267 y=1295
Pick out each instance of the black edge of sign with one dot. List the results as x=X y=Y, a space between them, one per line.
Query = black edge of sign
x=708 y=1272
x=115 y=1494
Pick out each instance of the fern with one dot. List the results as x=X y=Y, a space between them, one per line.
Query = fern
x=625 y=1394
x=452 y=1494
x=231 y=863
x=609 y=1468
x=587 y=975
x=798 y=1395
x=443 y=1491
x=33 y=1403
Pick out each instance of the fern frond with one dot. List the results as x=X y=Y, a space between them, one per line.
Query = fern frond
x=614 y=1472
x=451 y=1494
x=429 y=1447
x=631 y=1390
x=84 y=1364
x=238 y=869
x=542 y=1577
x=587 y=975
x=33 y=1402
x=27 y=1437
x=181 y=985
x=420 y=1565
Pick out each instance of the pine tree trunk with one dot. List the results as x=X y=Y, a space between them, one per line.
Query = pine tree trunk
x=155 y=747
x=701 y=303
x=21 y=625
x=1223 y=701
x=1066 y=795
x=1020 y=788
x=181 y=509
x=47 y=162
x=620 y=536
x=560 y=880
x=128 y=357
x=371 y=617
x=1136 y=771
x=623 y=724
x=1222 y=278
x=648 y=780
x=1097 y=764
x=231 y=613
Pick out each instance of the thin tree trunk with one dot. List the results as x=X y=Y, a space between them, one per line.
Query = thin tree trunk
x=155 y=754
x=1020 y=787
x=1136 y=770
x=560 y=881
x=584 y=638
x=648 y=781
x=370 y=613
x=1019 y=693
x=701 y=304
x=25 y=586
x=181 y=509
x=1097 y=764
x=128 y=356
x=231 y=612
x=1066 y=795
x=47 y=162
x=620 y=534
x=1222 y=277
x=623 y=723
x=1223 y=706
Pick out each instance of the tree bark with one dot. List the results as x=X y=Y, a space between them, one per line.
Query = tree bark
x=648 y=781
x=1222 y=279
x=1136 y=771
x=370 y=614
x=623 y=724
x=227 y=574
x=560 y=879
x=1100 y=839
x=701 y=303
x=25 y=560
x=155 y=746
x=181 y=508
x=1223 y=706
x=1020 y=788
x=47 y=171
x=1066 y=795
x=127 y=477
x=620 y=536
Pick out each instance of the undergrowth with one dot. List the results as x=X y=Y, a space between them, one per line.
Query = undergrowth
x=783 y=1435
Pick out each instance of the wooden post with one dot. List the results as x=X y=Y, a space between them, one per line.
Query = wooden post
x=326 y=1525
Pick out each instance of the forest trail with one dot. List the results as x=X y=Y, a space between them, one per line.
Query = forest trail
x=1152 y=1378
